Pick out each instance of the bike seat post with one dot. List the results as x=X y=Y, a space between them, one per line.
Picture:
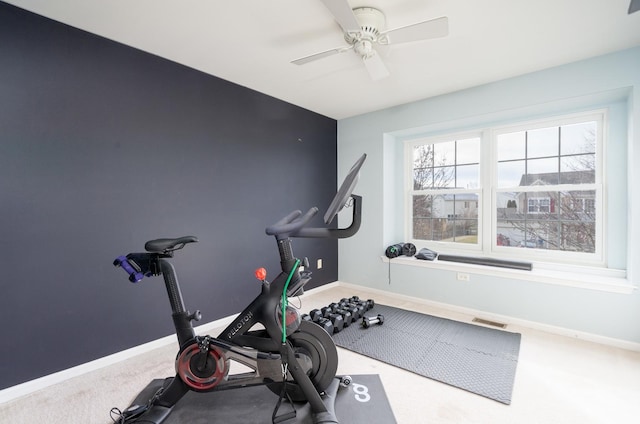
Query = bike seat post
x=286 y=254
x=181 y=318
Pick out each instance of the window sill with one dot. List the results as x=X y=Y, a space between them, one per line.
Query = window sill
x=613 y=281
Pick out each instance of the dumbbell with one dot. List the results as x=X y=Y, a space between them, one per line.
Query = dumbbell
x=337 y=321
x=367 y=304
x=306 y=317
x=353 y=310
x=325 y=318
x=346 y=316
x=360 y=308
x=369 y=321
x=326 y=324
x=335 y=308
x=329 y=309
x=315 y=315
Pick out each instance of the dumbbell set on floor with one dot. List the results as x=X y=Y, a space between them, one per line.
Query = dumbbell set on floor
x=338 y=315
x=369 y=321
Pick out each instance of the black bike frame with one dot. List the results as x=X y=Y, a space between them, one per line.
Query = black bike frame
x=251 y=347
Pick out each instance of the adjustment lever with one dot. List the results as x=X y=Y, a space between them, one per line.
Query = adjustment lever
x=196 y=316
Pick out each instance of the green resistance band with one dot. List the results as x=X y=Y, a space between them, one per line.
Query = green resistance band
x=285 y=302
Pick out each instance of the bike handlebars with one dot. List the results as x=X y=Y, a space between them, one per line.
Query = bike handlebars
x=291 y=223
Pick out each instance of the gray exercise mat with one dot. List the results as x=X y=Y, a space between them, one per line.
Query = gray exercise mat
x=363 y=402
x=474 y=358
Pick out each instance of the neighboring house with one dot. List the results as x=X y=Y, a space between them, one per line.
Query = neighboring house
x=458 y=206
x=548 y=219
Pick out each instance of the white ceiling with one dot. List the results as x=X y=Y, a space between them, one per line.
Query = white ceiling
x=252 y=42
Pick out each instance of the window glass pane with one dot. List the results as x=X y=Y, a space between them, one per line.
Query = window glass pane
x=422 y=206
x=422 y=167
x=542 y=171
x=444 y=153
x=450 y=218
x=422 y=178
x=422 y=217
x=422 y=229
x=542 y=142
x=562 y=221
x=577 y=237
x=578 y=138
x=511 y=146
x=583 y=167
x=423 y=156
x=509 y=235
x=468 y=151
x=464 y=225
x=444 y=177
x=578 y=205
x=467 y=176
x=510 y=173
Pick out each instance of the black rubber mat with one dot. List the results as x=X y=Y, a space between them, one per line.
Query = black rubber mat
x=478 y=359
x=362 y=402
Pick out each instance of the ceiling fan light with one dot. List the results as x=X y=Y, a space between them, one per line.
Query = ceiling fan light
x=364 y=48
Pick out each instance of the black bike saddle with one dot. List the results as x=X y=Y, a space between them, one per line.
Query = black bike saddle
x=164 y=245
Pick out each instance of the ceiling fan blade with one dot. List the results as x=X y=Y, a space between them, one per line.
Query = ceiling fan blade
x=341 y=10
x=375 y=66
x=317 y=56
x=634 y=6
x=426 y=30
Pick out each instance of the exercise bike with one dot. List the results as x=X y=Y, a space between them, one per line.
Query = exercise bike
x=296 y=359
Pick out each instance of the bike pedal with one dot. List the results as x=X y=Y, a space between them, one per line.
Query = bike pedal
x=345 y=380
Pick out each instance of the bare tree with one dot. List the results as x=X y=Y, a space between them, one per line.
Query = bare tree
x=429 y=172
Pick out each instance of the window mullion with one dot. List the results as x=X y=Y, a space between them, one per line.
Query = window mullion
x=487 y=182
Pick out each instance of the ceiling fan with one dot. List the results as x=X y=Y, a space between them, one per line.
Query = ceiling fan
x=364 y=28
x=634 y=6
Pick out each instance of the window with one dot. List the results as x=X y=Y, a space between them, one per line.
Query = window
x=534 y=186
x=446 y=180
x=539 y=205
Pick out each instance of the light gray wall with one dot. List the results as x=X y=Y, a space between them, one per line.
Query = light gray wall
x=611 y=80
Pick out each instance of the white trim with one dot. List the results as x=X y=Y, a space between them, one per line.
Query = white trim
x=608 y=280
x=561 y=331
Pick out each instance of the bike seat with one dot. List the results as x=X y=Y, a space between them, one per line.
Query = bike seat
x=168 y=244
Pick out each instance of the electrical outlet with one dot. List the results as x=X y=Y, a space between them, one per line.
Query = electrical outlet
x=463 y=276
x=319 y=264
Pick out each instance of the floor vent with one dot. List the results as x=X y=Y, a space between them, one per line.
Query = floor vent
x=491 y=323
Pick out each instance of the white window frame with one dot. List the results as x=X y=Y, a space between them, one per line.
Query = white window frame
x=487 y=194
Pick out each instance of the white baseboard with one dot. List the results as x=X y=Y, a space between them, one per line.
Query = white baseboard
x=561 y=331
x=31 y=386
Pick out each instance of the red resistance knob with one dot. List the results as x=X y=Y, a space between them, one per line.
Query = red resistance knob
x=261 y=274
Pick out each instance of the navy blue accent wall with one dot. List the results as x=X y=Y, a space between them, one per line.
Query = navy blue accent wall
x=103 y=147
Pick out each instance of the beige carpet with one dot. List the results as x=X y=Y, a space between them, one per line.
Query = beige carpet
x=558 y=380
